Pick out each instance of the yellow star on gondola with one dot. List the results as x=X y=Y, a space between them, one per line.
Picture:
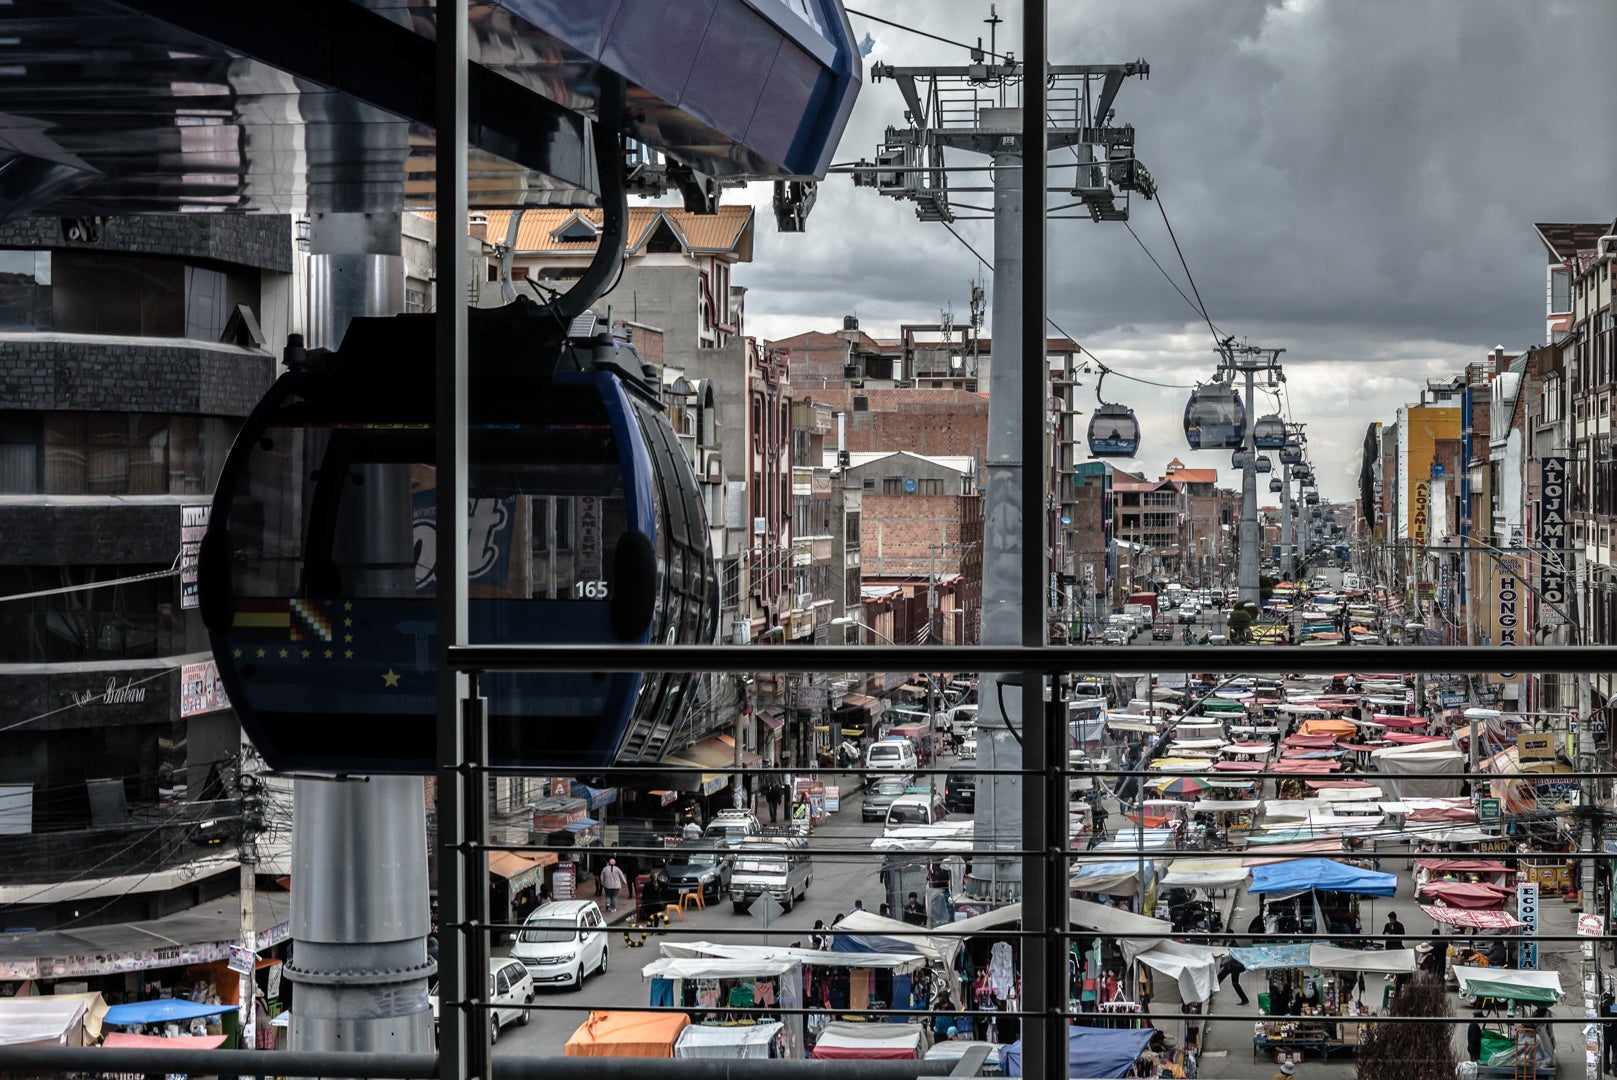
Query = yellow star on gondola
x=283 y=654
x=390 y=678
x=306 y=654
x=348 y=654
x=328 y=654
x=261 y=654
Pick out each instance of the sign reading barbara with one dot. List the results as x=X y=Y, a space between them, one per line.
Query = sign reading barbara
x=1552 y=531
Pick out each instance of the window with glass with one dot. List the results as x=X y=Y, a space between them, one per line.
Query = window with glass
x=93 y=292
x=108 y=453
x=63 y=622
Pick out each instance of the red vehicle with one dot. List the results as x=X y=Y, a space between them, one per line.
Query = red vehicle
x=1149 y=599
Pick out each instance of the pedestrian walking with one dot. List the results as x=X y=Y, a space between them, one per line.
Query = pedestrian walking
x=1394 y=931
x=772 y=796
x=1232 y=968
x=612 y=880
x=692 y=831
x=1473 y=1038
x=1287 y=1071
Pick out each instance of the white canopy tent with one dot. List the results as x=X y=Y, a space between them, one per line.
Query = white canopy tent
x=707 y=1041
x=1206 y=873
x=1379 y=961
x=1417 y=769
x=897 y=963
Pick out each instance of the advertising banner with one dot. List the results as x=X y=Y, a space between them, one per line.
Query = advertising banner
x=1508 y=610
x=193 y=524
x=1419 y=511
x=200 y=689
x=1552 y=533
x=1527 y=912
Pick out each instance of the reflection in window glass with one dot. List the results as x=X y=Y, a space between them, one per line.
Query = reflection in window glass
x=25 y=290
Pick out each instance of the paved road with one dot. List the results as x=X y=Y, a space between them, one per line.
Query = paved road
x=838 y=882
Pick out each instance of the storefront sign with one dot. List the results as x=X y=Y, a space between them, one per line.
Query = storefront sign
x=564 y=882
x=1536 y=747
x=1494 y=847
x=1509 y=610
x=1527 y=912
x=241 y=960
x=1443 y=587
x=201 y=690
x=1591 y=925
x=1419 y=507
x=1552 y=531
x=193 y=524
x=1487 y=809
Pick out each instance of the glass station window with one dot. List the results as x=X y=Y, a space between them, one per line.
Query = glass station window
x=25 y=290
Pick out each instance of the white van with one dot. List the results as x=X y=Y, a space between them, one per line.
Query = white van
x=562 y=942
x=509 y=988
x=776 y=865
x=890 y=755
x=918 y=809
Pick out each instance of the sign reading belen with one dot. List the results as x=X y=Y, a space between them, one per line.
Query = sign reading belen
x=1536 y=747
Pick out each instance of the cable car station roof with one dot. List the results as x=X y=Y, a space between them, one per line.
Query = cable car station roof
x=156 y=106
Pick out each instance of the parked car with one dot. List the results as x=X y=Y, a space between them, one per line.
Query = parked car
x=731 y=826
x=1162 y=629
x=562 y=942
x=1116 y=637
x=694 y=863
x=960 y=791
x=880 y=795
x=509 y=987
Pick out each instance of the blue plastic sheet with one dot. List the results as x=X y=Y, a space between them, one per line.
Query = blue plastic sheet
x=161 y=1011
x=1263 y=957
x=1091 y=1052
x=1302 y=875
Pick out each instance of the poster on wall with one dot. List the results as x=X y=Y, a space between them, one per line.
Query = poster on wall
x=193 y=525
x=564 y=881
x=201 y=691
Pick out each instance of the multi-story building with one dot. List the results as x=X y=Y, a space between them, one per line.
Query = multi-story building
x=129 y=356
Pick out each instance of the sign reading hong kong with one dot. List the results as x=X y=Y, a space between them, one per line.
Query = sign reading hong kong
x=1509 y=609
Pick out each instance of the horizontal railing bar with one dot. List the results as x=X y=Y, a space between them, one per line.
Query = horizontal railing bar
x=1048 y=659
x=1085 y=854
x=40 y=1060
x=1068 y=773
x=1191 y=937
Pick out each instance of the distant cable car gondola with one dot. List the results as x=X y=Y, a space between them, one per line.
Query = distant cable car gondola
x=1238 y=459
x=1114 y=431
x=1215 y=418
x=1263 y=464
x=1311 y=498
x=1269 y=433
x=317 y=574
x=1292 y=452
x=1276 y=485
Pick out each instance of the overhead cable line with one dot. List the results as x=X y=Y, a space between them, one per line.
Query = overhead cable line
x=1188 y=276
x=923 y=33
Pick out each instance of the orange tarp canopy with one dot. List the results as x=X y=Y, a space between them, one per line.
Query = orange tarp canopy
x=1321 y=726
x=627 y=1034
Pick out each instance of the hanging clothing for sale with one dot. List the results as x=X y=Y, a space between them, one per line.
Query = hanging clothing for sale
x=763 y=991
x=1001 y=968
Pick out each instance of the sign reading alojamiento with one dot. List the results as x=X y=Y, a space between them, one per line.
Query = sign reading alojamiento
x=1552 y=533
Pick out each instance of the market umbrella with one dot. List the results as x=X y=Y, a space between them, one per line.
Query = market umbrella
x=1182 y=785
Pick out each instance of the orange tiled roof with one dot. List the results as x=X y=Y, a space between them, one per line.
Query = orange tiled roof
x=1194 y=476
x=727 y=232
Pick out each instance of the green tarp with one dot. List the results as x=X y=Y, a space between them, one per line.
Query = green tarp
x=1510 y=991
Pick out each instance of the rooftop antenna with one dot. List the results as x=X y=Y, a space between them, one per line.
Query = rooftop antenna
x=993 y=22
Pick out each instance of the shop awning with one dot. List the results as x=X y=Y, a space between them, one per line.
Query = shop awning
x=1193 y=967
x=860 y=701
x=897 y=963
x=771 y=721
x=1206 y=873
x=1324 y=874
x=161 y=1011
x=1464 y=866
x=594 y=797
x=666 y=798
x=1264 y=957
x=1474 y=918
x=712 y=753
x=520 y=869
x=715 y=967
x=1106 y=878
x=42 y=1021
x=158 y=1042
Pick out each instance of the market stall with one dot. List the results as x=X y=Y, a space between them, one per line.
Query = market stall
x=842 y=1040
x=764 y=1040
x=1315 y=995
x=42 y=1021
x=711 y=986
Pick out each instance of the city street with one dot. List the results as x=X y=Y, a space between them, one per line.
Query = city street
x=838 y=882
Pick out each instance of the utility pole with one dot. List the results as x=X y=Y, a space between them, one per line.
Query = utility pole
x=1248 y=360
x=965 y=108
x=252 y=824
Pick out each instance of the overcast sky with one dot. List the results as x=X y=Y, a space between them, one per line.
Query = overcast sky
x=1354 y=181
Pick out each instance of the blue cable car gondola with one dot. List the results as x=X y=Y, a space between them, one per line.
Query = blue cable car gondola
x=1263 y=464
x=1275 y=484
x=1238 y=459
x=1114 y=431
x=1269 y=433
x=1215 y=418
x=317 y=573
x=1292 y=452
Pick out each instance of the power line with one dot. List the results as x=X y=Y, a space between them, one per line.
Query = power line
x=1163 y=210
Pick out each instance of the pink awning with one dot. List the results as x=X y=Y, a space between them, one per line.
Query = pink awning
x=1238 y=766
x=1473 y=918
x=1465 y=894
x=1464 y=866
x=158 y=1042
x=1340 y=784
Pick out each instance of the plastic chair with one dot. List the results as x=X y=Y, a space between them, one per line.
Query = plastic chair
x=688 y=897
x=670 y=910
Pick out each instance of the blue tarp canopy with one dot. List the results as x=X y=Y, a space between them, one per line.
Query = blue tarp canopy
x=161 y=1011
x=1302 y=875
x=1263 y=957
x=1091 y=1052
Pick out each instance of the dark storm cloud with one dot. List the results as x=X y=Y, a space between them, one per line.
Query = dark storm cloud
x=1353 y=180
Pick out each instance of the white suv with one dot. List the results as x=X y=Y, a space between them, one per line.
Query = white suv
x=730 y=827
x=562 y=942
x=509 y=988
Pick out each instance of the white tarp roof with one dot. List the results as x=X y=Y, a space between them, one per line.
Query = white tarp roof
x=1409 y=769
x=1206 y=873
x=1225 y=806
x=1379 y=961
x=940 y=949
x=741 y=1041
x=41 y=1021
x=1364 y=794
x=1195 y=744
x=899 y=963
x=1193 y=967
x=712 y=967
